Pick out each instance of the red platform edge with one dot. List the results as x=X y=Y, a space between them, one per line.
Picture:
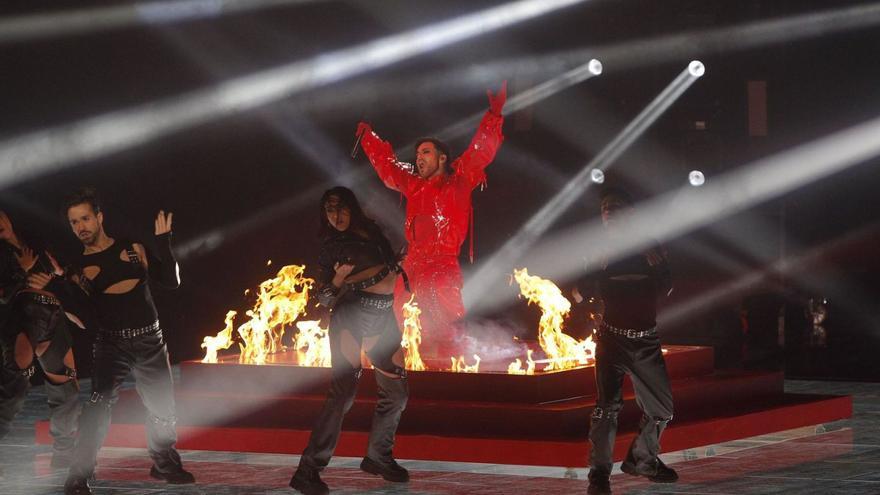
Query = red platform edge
x=492 y=450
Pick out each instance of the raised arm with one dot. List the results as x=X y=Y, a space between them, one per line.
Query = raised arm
x=383 y=159
x=480 y=153
x=161 y=265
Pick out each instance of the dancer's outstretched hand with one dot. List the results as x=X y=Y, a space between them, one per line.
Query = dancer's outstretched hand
x=362 y=128
x=163 y=222
x=56 y=267
x=27 y=259
x=496 y=101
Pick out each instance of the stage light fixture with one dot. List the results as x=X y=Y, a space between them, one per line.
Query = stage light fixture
x=597 y=176
x=674 y=213
x=696 y=178
x=521 y=100
x=500 y=263
x=696 y=68
x=595 y=67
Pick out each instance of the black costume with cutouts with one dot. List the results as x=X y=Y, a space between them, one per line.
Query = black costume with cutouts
x=38 y=317
x=362 y=315
x=129 y=340
x=627 y=344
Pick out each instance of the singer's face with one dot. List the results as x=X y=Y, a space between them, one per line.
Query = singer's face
x=429 y=161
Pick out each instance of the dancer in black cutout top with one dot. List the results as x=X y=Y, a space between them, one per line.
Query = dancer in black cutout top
x=114 y=273
x=627 y=344
x=33 y=322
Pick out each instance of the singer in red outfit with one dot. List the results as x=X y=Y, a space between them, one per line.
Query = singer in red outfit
x=438 y=213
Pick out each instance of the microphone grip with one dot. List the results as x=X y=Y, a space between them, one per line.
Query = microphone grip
x=357 y=143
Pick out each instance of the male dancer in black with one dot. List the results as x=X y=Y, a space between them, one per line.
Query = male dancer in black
x=33 y=323
x=627 y=343
x=114 y=273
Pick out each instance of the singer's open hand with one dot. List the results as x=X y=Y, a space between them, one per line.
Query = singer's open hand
x=497 y=100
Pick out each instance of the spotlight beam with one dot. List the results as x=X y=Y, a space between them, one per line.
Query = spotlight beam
x=95 y=19
x=793 y=267
x=355 y=178
x=564 y=256
x=744 y=36
x=493 y=270
x=43 y=151
x=529 y=97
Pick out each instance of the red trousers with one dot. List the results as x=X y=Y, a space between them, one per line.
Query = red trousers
x=436 y=282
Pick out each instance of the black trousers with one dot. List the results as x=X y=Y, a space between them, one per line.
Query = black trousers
x=114 y=358
x=642 y=360
x=40 y=323
x=353 y=317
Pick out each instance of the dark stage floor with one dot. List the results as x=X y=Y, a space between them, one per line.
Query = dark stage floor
x=839 y=457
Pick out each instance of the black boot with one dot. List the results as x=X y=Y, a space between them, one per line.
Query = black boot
x=600 y=484
x=393 y=394
x=77 y=486
x=178 y=476
x=308 y=482
x=389 y=471
x=660 y=474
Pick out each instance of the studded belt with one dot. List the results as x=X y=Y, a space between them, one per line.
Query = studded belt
x=369 y=282
x=130 y=333
x=381 y=302
x=629 y=333
x=41 y=298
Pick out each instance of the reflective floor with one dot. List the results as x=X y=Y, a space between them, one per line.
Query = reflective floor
x=836 y=458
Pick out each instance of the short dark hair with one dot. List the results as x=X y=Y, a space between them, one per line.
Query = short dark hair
x=442 y=147
x=84 y=195
x=616 y=192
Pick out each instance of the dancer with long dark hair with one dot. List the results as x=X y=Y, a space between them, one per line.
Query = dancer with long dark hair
x=33 y=323
x=358 y=273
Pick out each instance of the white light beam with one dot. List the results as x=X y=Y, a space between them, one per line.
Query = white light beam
x=30 y=155
x=500 y=263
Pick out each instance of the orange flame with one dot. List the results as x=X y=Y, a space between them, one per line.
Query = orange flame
x=563 y=351
x=221 y=341
x=515 y=367
x=460 y=366
x=280 y=301
x=312 y=344
x=412 y=335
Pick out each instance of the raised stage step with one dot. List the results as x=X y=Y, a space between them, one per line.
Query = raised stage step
x=786 y=412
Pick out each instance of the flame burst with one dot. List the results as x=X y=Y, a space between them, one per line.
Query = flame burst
x=312 y=344
x=460 y=366
x=280 y=301
x=221 y=341
x=412 y=335
x=516 y=368
x=563 y=351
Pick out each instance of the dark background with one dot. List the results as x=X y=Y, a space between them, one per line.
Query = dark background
x=254 y=178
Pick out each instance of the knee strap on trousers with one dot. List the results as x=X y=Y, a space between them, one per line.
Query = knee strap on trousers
x=393 y=396
x=52 y=360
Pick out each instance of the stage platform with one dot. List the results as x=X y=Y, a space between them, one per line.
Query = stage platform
x=492 y=417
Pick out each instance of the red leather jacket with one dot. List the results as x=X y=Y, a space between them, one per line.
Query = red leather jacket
x=438 y=210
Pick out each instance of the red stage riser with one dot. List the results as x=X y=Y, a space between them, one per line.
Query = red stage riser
x=800 y=411
x=695 y=397
x=290 y=380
